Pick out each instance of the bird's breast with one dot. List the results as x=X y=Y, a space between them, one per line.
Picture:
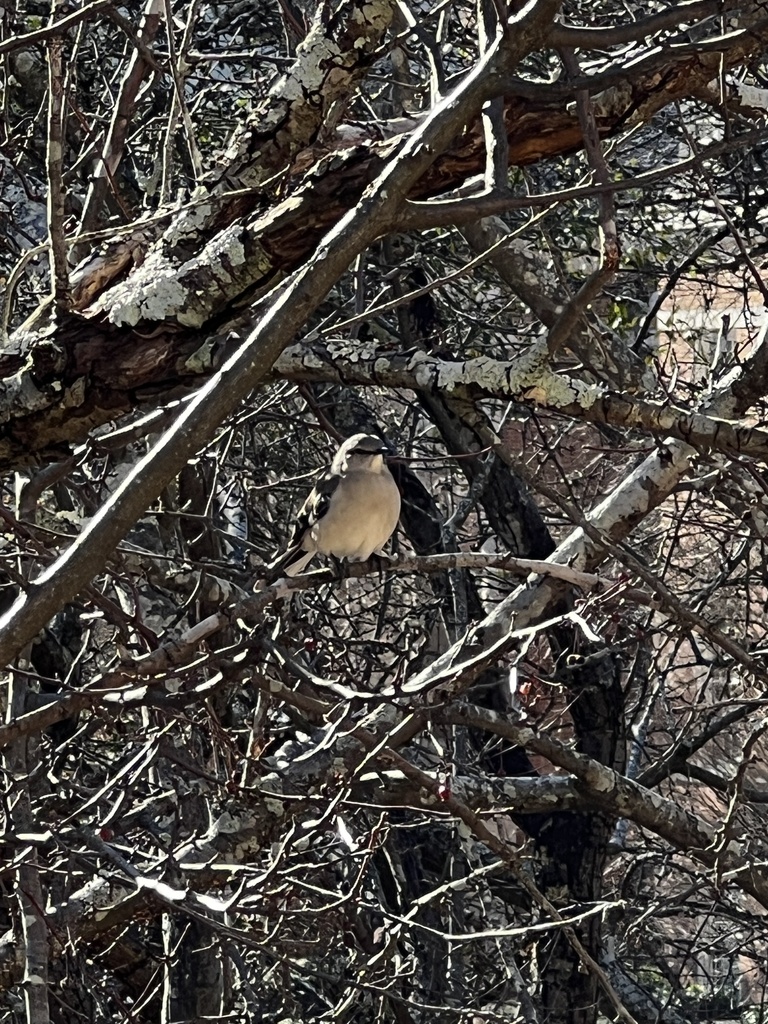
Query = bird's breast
x=362 y=517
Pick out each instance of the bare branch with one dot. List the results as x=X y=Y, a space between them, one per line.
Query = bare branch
x=55 y=166
x=125 y=106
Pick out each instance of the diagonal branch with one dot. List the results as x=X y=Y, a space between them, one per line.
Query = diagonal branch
x=612 y=792
x=568 y=320
x=253 y=360
x=125 y=106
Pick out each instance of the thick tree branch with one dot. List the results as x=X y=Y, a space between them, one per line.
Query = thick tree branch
x=528 y=378
x=634 y=31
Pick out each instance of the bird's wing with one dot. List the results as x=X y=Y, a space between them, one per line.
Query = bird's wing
x=311 y=512
x=315 y=507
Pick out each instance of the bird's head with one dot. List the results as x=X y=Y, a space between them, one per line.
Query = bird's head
x=361 y=451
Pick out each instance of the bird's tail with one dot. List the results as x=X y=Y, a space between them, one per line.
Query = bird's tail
x=294 y=561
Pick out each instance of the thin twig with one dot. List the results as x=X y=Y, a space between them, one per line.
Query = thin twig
x=54 y=162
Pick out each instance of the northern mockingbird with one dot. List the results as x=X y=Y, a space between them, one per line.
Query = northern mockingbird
x=352 y=511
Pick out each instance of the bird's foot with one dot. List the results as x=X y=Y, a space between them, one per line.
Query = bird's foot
x=381 y=561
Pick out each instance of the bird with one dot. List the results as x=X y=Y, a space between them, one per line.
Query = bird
x=352 y=510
